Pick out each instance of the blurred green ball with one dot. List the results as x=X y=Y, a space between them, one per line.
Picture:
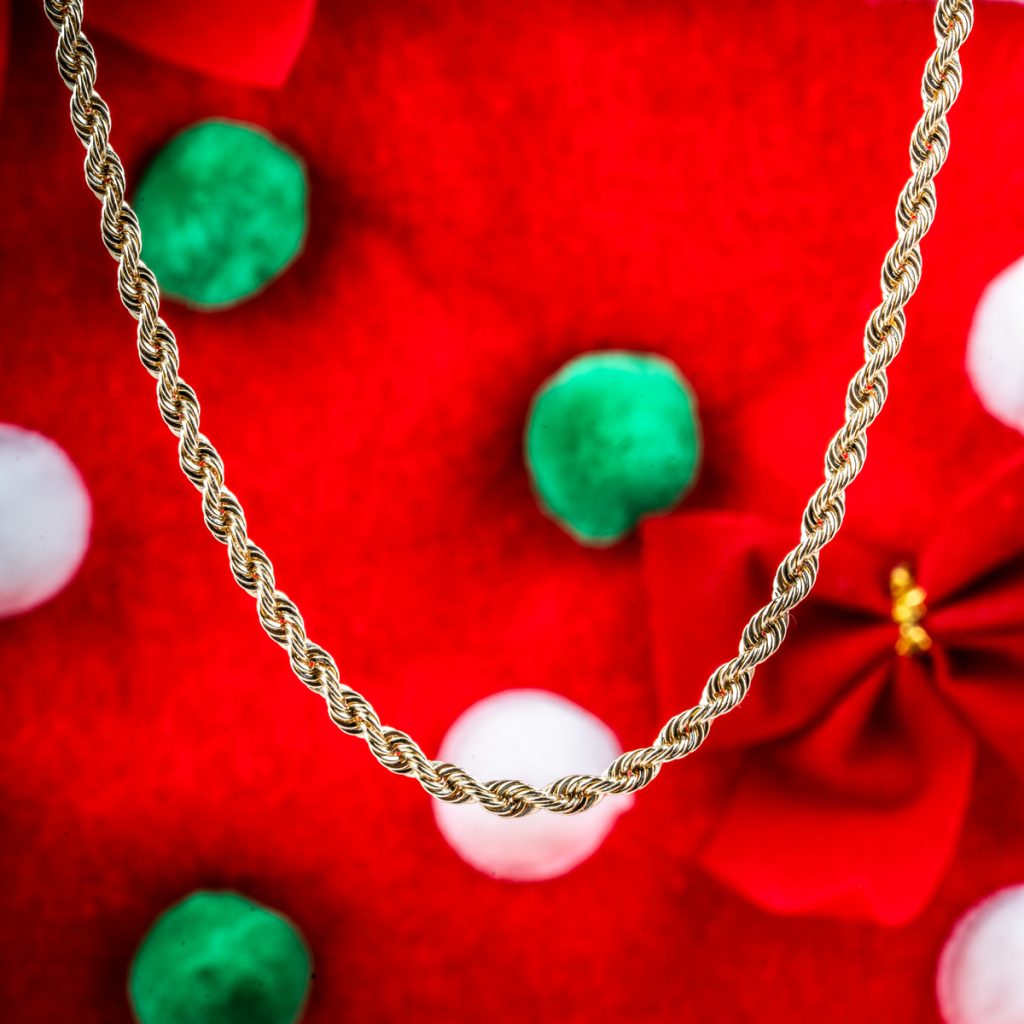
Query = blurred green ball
x=610 y=438
x=223 y=210
x=219 y=958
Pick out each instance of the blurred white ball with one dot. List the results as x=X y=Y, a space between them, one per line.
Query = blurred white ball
x=45 y=517
x=981 y=970
x=535 y=736
x=995 y=347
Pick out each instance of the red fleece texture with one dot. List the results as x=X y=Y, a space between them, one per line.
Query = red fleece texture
x=495 y=188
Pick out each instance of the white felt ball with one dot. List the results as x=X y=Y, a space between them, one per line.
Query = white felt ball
x=995 y=347
x=981 y=970
x=535 y=736
x=45 y=516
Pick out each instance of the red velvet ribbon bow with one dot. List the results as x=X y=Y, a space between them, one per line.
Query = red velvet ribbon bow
x=854 y=762
x=250 y=42
x=253 y=42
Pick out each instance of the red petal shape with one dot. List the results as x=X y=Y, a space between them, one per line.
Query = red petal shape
x=984 y=612
x=255 y=42
x=982 y=534
x=973 y=571
x=860 y=816
x=987 y=688
x=707 y=572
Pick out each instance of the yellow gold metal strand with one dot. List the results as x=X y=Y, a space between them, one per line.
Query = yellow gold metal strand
x=348 y=709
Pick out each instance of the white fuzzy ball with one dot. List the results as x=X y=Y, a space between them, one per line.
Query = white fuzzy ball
x=981 y=970
x=535 y=736
x=45 y=517
x=995 y=347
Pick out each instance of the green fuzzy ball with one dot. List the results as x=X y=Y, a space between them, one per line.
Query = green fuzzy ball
x=218 y=958
x=611 y=438
x=223 y=210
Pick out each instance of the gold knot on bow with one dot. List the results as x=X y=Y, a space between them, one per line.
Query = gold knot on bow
x=908 y=610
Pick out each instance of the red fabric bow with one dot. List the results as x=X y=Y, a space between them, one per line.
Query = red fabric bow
x=853 y=763
x=251 y=43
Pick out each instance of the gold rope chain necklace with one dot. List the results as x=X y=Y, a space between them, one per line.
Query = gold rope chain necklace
x=348 y=709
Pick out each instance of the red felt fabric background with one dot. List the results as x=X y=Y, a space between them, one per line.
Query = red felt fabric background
x=495 y=188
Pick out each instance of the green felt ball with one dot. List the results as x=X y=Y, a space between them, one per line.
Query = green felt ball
x=218 y=958
x=610 y=438
x=223 y=210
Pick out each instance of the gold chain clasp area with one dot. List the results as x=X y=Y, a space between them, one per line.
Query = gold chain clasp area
x=908 y=609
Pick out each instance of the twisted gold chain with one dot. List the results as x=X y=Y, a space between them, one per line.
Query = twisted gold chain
x=348 y=709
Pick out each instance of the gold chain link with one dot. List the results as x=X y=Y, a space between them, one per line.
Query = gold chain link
x=348 y=709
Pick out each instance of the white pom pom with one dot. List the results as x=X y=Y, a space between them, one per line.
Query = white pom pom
x=995 y=347
x=45 y=516
x=535 y=736
x=981 y=970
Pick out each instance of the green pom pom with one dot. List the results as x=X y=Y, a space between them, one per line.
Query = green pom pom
x=223 y=210
x=610 y=438
x=218 y=958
